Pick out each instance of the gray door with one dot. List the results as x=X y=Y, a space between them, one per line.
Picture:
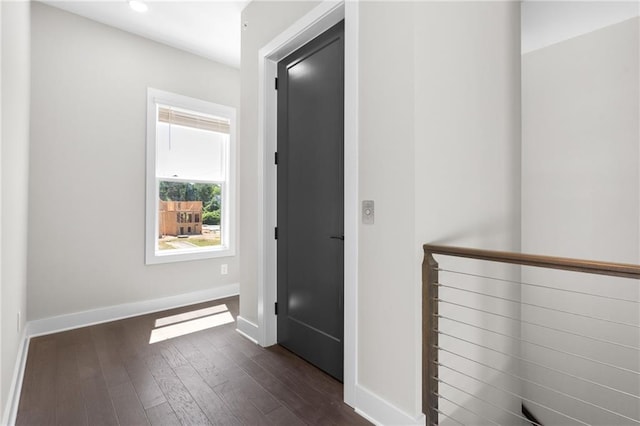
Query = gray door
x=311 y=201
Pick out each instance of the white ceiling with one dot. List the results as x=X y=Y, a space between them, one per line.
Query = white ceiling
x=209 y=28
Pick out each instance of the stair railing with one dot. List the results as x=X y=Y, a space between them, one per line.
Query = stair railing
x=431 y=349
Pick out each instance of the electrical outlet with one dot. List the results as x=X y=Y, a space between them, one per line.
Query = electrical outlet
x=223 y=269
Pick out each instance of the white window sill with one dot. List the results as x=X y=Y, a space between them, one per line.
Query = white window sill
x=185 y=255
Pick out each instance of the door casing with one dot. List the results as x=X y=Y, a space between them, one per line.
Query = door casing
x=318 y=20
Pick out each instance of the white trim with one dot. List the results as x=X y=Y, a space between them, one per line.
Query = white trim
x=351 y=200
x=229 y=218
x=381 y=412
x=247 y=329
x=314 y=23
x=13 y=397
x=127 y=310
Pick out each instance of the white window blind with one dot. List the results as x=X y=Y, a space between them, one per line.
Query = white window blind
x=189 y=153
x=190 y=119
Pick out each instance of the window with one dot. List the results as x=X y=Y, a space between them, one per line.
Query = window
x=190 y=178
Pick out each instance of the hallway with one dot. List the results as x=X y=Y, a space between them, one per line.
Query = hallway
x=109 y=374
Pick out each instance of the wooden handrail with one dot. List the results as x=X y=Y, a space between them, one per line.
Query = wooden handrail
x=550 y=262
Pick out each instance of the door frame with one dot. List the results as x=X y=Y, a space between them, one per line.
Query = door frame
x=314 y=23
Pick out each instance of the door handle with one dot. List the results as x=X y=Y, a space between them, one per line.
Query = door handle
x=337 y=237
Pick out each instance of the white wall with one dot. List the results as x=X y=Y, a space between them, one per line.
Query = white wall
x=467 y=186
x=439 y=154
x=14 y=146
x=580 y=198
x=387 y=327
x=426 y=110
x=87 y=179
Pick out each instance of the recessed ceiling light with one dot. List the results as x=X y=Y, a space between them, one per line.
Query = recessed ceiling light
x=138 y=6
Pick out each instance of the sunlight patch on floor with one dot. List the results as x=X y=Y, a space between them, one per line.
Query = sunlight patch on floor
x=198 y=323
x=161 y=322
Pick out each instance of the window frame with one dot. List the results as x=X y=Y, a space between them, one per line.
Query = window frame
x=228 y=215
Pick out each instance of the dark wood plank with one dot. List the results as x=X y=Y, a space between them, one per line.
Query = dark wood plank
x=38 y=398
x=181 y=401
x=292 y=381
x=282 y=416
x=235 y=394
x=215 y=409
x=315 y=388
x=294 y=402
x=217 y=378
x=70 y=408
x=224 y=368
x=87 y=358
x=100 y=409
x=106 y=345
x=127 y=405
x=173 y=357
x=162 y=415
x=137 y=332
x=202 y=362
x=328 y=407
x=303 y=370
x=247 y=389
x=144 y=383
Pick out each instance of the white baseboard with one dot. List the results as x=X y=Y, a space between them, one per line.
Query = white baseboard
x=126 y=310
x=13 y=397
x=247 y=329
x=380 y=412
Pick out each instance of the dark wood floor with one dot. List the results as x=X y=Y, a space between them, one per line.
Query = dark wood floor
x=109 y=374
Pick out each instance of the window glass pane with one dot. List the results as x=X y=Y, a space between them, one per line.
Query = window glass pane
x=188 y=153
x=188 y=215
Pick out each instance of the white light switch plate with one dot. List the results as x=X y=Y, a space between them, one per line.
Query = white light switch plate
x=368 y=212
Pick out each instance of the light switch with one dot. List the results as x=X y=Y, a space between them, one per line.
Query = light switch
x=368 y=211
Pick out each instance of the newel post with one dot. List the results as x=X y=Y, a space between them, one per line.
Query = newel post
x=429 y=338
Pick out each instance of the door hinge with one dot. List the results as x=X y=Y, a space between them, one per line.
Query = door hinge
x=276 y=307
x=275 y=158
x=276 y=83
x=275 y=233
